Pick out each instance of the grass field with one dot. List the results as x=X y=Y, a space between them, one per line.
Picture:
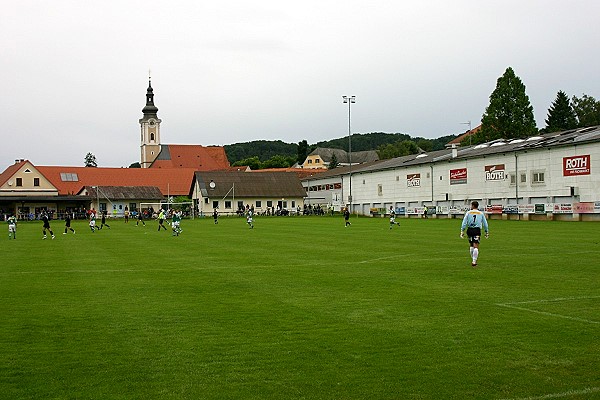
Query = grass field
x=301 y=308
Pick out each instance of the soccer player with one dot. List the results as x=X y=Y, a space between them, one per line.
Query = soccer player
x=347 y=217
x=68 y=224
x=161 y=220
x=473 y=221
x=46 y=225
x=175 y=223
x=216 y=216
x=249 y=219
x=103 y=220
x=393 y=218
x=12 y=227
x=140 y=218
x=93 y=226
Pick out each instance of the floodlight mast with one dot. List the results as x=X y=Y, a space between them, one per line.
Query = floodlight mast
x=349 y=100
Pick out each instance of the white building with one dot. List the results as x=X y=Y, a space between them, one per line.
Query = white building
x=555 y=175
x=231 y=192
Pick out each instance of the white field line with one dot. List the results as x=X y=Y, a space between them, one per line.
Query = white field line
x=514 y=305
x=134 y=270
x=559 y=395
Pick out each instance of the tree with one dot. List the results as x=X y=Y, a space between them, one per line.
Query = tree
x=509 y=114
x=398 y=149
x=278 y=162
x=135 y=165
x=302 y=151
x=561 y=115
x=334 y=162
x=90 y=160
x=252 y=162
x=587 y=110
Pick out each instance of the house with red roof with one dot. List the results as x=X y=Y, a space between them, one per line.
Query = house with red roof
x=29 y=189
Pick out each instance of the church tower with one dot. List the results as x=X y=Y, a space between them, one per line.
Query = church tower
x=150 y=127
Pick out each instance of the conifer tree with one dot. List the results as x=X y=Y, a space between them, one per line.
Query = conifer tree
x=509 y=114
x=561 y=115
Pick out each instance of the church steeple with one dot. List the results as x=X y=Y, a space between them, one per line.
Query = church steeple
x=150 y=109
x=150 y=129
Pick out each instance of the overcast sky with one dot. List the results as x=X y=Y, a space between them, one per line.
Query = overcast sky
x=73 y=74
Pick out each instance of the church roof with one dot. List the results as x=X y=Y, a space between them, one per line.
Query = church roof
x=201 y=158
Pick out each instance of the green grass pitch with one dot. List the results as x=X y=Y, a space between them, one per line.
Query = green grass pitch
x=300 y=308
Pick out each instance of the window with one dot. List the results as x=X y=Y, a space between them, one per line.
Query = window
x=269 y=203
x=258 y=204
x=132 y=207
x=69 y=177
x=102 y=206
x=228 y=204
x=36 y=181
x=537 y=177
x=523 y=178
x=379 y=190
x=293 y=203
x=152 y=136
x=317 y=161
x=19 y=181
x=240 y=205
x=215 y=203
x=206 y=200
x=310 y=161
x=284 y=204
x=513 y=179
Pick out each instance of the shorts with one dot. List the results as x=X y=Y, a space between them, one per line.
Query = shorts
x=12 y=228
x=474 y=235
x=92 y=223
x=174 y=225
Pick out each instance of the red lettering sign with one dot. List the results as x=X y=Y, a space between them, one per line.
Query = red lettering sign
x=458 y=176
x=577 y=165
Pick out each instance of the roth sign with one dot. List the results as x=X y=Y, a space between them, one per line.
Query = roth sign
x=413 y=180
x=494 y=172
x=577 y=165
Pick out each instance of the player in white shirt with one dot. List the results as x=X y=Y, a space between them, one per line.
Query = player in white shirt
x=473 y=222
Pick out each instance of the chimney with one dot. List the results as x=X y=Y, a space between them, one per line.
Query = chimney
x=454 y=151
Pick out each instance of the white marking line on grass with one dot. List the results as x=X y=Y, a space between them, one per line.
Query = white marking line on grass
x=395 y=256
x=559 y=395
x=514 y=306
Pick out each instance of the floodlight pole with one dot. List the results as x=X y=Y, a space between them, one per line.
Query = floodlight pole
x=349 y=100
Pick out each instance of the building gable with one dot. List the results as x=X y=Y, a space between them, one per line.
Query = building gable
x=23 y=177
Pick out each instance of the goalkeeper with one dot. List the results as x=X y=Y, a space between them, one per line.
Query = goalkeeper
x=473 y=222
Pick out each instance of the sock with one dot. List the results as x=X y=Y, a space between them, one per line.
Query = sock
x=471 y=251
x=475 y=254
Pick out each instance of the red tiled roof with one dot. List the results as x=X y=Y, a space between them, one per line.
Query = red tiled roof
x=170 y=181
x=191 y=156
x=464 y=136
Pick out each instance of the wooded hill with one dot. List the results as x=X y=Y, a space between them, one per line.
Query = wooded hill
x=270 y=153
